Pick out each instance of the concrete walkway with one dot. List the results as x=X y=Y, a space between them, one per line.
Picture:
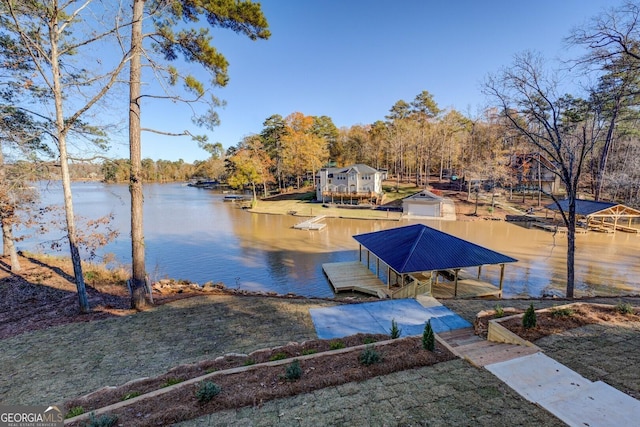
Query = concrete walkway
x=541 y=380
x=566 y=394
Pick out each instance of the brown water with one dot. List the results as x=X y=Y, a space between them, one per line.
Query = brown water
x=192 y=234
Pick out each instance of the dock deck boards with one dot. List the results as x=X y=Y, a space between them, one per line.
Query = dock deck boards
x=311 y=224
x=354 y=276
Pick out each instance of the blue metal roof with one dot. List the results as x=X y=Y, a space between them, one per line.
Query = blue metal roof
x=418 y=248
x=583 y=207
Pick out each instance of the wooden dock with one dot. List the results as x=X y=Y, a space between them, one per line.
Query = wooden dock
x=311 y=224
x=557 y=228
x=354 y=276
x=467 y=288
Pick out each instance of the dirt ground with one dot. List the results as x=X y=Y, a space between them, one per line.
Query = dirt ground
x=43 y=294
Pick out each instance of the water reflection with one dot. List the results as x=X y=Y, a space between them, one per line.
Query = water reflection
x=192 y=234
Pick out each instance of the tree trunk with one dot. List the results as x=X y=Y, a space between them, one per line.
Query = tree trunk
x=571 y=247
x=61 y=131
x=6 y=214
x=604 y=155
x=10 y=247
x=139 y=298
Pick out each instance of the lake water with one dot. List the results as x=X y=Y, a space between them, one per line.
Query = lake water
x=193 y=234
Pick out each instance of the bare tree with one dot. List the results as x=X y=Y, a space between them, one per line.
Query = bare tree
x=612 y=40
x=48 y=36
x=561 y=127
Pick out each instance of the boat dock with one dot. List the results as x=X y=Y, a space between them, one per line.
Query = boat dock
x=354 y=276
x=311 y=224
x=557 y=228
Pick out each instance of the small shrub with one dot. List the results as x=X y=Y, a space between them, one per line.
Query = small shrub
x=369 y=356
x=428 y=338
x=278 y=356
x=207 y=391
x=336 y=345
x=210 y=370
x=529 y=319
x=624 y=308
x=395 y=331
x=368 y=340
x=103 y=421
x=249 y=362
x=293 y=371
x=561 y=312
x=309 y=351
x=172 y=381
x=499 y=311
x=131 y=395
x=74 y=412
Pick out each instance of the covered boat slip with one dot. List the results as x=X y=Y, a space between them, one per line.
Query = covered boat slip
x=604 y=217
x=415 y=258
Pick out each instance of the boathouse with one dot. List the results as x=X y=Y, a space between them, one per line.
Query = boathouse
x=415 y=257
x=426 y=204
x=606 y=217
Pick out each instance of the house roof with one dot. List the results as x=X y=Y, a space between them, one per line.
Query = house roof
x=417 y=248
x=359 y=168
x=423 y=195
x=597 y=209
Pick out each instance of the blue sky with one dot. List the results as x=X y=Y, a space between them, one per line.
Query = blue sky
x=352 y=60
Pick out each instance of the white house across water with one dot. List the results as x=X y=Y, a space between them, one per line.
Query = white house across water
x=356 y=182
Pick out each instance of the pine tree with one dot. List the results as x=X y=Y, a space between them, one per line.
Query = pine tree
x=428 y=339
x=529 y=318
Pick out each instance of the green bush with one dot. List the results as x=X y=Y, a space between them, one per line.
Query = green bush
x=309 y=351
x=207 y=391
x=336 y=345
x=499 y=311
x=428 y=338
x=395 y=331
x=624 y=308
x=74 y=412
x=369 y=355
x=103 y=421
x=368 y=340
x=172 y=381
x=293 y=371
x=249 y=362
x=131 y=395
x=278 y=356
x=561 y=312
x=529 y=319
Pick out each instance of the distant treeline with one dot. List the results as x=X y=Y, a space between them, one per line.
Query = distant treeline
x=117 y=170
